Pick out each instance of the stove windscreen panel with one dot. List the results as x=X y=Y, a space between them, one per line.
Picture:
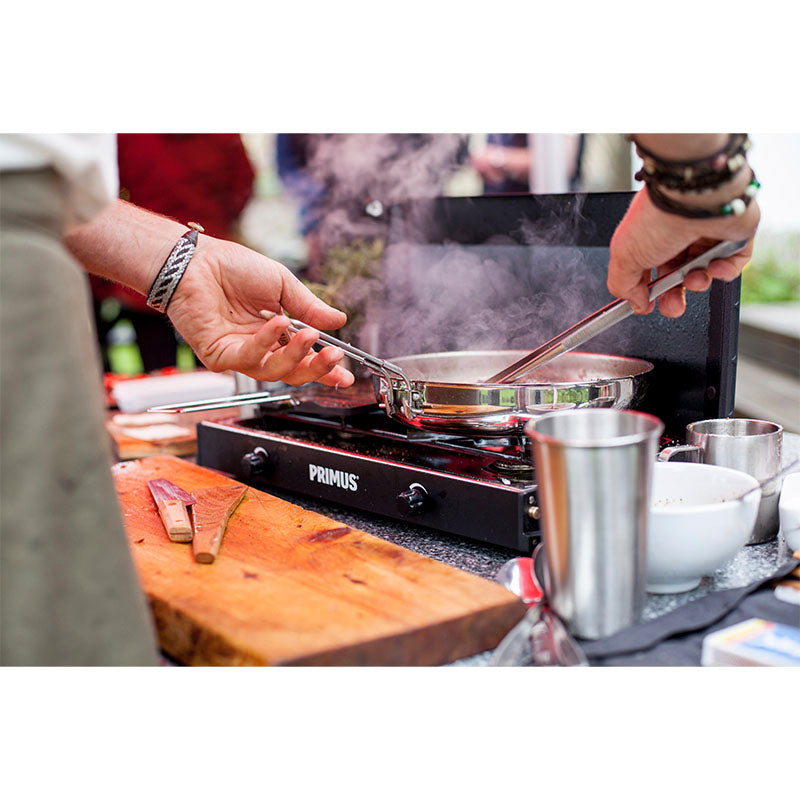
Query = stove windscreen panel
x=510 y=272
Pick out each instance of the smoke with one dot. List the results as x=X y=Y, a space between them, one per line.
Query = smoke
x=355 y=169
x=508 y=293
x=504 y=294
x=487 y=297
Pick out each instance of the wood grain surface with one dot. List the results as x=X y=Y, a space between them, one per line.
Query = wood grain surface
x=128 y=447
x=210 y=516
x=293 y=587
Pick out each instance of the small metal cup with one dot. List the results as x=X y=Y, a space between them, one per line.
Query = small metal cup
x=594 y=470
x=753 y=446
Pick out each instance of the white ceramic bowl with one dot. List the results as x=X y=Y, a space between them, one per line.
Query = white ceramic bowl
x=694 y=528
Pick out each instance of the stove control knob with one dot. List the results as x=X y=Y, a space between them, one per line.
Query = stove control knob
x=413 y=500
x=255 y=463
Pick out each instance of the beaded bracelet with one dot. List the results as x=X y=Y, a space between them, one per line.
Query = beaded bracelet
x=699 y=175
x=171 y=272
x=735 y=207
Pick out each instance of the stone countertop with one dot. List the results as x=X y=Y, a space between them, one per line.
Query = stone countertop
x=750 y=564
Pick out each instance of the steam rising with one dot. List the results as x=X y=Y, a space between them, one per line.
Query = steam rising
x=357 y=168
x=446 y=297
x=490 y=297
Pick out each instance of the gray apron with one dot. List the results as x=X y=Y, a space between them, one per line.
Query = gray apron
x=68 y=588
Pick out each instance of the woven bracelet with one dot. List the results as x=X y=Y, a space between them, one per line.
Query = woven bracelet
x=700 y=175
x=171 y=272
x=735 y=207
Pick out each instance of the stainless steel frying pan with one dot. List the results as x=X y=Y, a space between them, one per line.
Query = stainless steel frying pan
x=442 y=392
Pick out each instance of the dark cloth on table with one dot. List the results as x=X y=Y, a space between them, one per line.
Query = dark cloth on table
x=676 y=639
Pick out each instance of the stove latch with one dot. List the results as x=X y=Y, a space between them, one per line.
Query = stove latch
x=413 y=500
x=255 y=463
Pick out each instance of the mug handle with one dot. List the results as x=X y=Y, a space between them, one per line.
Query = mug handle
x=692 y=452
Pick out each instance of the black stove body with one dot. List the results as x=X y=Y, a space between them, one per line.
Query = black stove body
x=483 y=490
x=539 y=263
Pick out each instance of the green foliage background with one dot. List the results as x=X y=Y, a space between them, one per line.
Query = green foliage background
x=773 y=275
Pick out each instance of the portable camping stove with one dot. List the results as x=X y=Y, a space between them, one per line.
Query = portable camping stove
x=481 y=489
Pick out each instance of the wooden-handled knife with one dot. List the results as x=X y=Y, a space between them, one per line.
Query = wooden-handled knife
x=172 y=502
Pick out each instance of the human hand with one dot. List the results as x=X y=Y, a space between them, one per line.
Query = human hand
x=495 y=162
x=648 y=237
x=489 y=163
x=216 y=309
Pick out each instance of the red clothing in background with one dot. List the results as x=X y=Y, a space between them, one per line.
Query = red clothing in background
x=203 y=177
x=200 y=177
x=197 y=177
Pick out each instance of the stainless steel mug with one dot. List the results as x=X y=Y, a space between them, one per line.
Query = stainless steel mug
x=753 y=446
x=594 y=471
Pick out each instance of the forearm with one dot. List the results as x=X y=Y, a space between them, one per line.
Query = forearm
x=125 y=244
x=216 y=307
x=709 y=170
x=699 y=188
x=682 y=146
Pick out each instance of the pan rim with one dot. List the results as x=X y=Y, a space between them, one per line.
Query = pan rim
x=643 y=367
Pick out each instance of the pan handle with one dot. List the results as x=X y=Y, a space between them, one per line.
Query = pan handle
x=393 y=397
x=604 y=318
x=290 y=399
x=377 y=366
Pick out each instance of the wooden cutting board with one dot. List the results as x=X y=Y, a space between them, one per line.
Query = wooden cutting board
x=127 y=447
x=132 y=435
x=290 y=586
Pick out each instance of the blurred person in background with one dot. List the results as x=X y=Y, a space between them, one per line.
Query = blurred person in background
x=342 y=183
x=594 y=162
x=504 y=164
x=507 y=163
x=205 y=176
x=293 y=153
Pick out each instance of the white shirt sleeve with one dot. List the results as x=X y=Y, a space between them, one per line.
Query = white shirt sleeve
x=87 y=161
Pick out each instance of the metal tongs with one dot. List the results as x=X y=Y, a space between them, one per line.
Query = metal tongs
x=377 y=366
x=608 y=316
